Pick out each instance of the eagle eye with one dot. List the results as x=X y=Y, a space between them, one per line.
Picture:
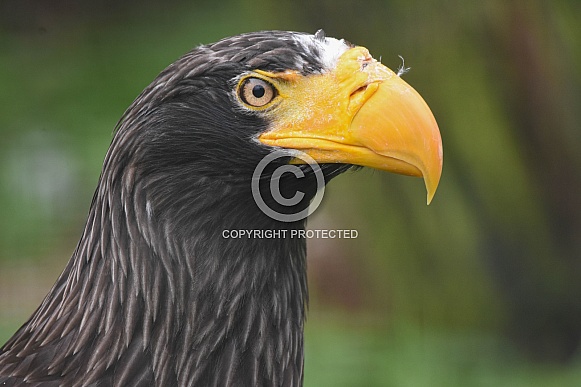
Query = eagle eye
x=256 y=92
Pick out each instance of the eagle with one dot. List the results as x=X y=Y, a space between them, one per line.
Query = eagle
x=154 y=293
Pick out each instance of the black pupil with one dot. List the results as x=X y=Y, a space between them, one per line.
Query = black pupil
x=258 y=91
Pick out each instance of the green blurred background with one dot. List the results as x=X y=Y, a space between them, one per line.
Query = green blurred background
x=481 y=288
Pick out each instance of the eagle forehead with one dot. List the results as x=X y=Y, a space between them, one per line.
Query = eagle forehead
x=326 y=49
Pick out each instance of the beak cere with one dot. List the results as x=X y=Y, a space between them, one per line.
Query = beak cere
x=360 y=113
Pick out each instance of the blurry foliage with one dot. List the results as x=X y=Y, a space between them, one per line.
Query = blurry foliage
x=493 y=263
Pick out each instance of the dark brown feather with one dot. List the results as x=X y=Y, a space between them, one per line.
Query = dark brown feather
x=153 y=294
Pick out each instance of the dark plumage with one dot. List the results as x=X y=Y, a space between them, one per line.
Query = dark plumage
x=154 y=294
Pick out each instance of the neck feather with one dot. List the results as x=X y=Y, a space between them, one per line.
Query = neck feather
x=156 y=294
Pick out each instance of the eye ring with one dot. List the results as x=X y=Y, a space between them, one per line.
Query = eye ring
x=256 y=92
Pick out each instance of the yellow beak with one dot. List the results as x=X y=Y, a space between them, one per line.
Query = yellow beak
x=360 y=113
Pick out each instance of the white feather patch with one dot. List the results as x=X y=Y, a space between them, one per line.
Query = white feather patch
x=330 y=49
